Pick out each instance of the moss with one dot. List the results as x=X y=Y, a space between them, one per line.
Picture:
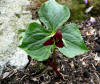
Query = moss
x=96 y=10
x=41 y=66
x=77 y=9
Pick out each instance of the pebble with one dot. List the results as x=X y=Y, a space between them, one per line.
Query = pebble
x=76 y=74
x=91 y=83
x=86 y=74
x=98 y=69
x=5 y=74
x=20 y=74
x=98 y=40
x=97 y=49
x=42 y=78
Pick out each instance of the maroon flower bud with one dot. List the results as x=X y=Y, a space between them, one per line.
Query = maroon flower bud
x=58 y=34
x=49 y=42
x=57 y=39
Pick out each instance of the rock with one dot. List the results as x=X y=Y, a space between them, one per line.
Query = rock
x=97 y=49
x=5 y=74
x=3 y=64
x=13 y=17
x=19 y=59
x=98 y=40
x=98 y=68
x=77 y=74
x=92 y=19
x=86 y=74
x=97 y=57
x=89 y=9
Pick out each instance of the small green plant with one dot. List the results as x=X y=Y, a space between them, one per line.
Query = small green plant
x=39 y=41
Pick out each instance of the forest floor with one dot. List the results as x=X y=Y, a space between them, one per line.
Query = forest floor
x=83 y=69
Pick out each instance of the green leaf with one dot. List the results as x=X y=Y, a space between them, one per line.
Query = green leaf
x=53 y=15
x=74 y=44
x=33 y=41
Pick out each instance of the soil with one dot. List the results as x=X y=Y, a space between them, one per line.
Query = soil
x=83 y=69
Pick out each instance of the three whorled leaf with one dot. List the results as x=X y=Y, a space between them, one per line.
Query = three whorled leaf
x=33 y=40
x=74 y=44
x=53 y=15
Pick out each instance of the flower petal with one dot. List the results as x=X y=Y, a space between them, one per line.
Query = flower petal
x=48 y=42
x=58 y=34
x=60 y=44
x=85 y=1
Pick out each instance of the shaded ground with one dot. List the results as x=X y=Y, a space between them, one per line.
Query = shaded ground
x=83 y=69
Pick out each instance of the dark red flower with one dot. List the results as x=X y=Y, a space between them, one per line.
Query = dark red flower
x=57 y=39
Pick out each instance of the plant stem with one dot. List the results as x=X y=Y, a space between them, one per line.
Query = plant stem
x=54 y=55
x=53 y=65
x=55 y=69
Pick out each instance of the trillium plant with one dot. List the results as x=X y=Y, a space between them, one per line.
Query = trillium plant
x=39 y=41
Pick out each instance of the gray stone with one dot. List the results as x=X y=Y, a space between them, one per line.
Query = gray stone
x=13 y=17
